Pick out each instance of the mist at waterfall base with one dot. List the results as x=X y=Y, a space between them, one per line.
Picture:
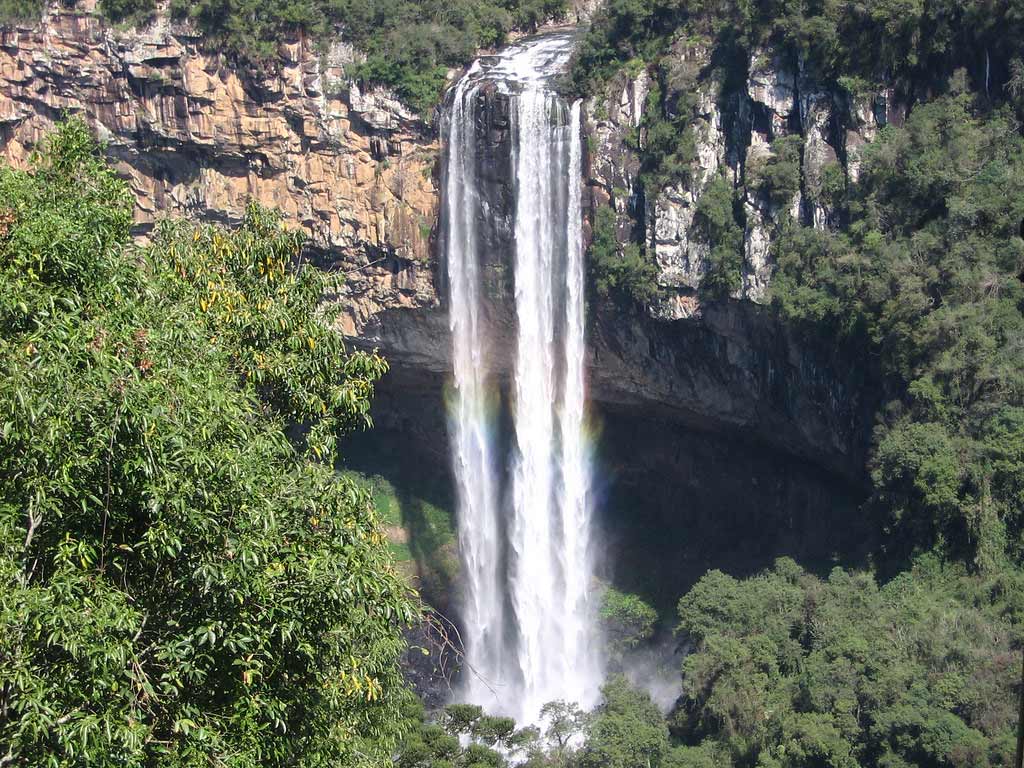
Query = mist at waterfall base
x=524 y=513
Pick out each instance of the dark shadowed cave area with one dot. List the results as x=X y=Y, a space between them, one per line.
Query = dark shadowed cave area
x=673 y=500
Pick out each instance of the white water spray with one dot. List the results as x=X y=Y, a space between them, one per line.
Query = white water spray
x=545 y=647
x=480 y=542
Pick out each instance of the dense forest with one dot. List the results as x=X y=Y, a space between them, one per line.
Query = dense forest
x=185 y=581
x=919 y=275
x=789 y=669
x=920 y=271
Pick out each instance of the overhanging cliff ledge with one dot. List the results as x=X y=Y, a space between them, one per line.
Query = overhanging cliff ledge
x=728 y=400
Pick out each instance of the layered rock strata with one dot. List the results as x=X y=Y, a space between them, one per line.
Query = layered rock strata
x=197 y=137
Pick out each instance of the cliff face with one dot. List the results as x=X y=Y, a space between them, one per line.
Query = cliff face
x=196 y=137
x=734 y=126
x=723 y=366
x=716 y=405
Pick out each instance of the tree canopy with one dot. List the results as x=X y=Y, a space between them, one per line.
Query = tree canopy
x=926 y=274
x=180 y=583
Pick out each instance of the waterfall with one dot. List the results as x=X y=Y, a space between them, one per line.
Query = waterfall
x=526 y=550
x=471 y=428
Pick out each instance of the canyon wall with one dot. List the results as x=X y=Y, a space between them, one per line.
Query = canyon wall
x=197 y=137
x=739 y=424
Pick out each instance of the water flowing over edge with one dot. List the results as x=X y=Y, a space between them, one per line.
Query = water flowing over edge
x=480 y=544
x=528 y=625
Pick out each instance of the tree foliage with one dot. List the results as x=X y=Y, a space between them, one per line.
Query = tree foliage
x=715 y=224
x=463 y=736
x=626 y=730
x=918 y=271
x=792 y=670
x=179 y=583
x=927 y=275
x=777 y=175
x=618 y=270
x=626 y=620
x=892 y=42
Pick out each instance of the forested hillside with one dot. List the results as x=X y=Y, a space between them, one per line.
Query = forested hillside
x=918 y=274
x=789 y=669
x=918 y=270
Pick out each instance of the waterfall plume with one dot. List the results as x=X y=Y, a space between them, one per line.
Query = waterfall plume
x=527 y=613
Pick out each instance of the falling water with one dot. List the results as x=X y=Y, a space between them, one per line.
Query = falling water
x=527 y=566
x=479 y=532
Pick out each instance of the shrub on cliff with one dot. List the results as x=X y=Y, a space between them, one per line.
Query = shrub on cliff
x=616 y=270
x=179 y=583
x=716 y=225
x=627 y=622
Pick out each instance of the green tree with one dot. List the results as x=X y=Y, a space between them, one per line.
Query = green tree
x=792 y=670
x=617 y=270
x=463 y=737
x=778 y=175
x=923 y=282
x=627 y=621
x=716 y=225
x=626 y=731
x=179 y=583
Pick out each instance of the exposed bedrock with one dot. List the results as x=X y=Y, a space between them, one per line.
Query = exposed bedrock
x=714 y=414
x=721 y=425
x=196 y=137
x=729 y=367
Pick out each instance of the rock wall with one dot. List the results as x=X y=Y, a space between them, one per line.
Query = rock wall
x=727 y=367
x=734 y=120
x=361 y=175
x=196 y=137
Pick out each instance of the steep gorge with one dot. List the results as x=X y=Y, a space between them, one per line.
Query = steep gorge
x=718 y=424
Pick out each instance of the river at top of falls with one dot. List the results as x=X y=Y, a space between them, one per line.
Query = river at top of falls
x=524 y=503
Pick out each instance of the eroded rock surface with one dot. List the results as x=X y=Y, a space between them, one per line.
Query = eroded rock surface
x=360 y=173
x=734 y=128
x=196 y=137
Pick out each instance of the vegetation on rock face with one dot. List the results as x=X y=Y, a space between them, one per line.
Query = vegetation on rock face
x=715 y=224
x=19 y=10
x=668 y=149
x=917 y=270
x=627 y=622
x=179 y=582
x=777 y=175
x=927 y=275
x=918 y=265
x=409 y=44
x=619 y=270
